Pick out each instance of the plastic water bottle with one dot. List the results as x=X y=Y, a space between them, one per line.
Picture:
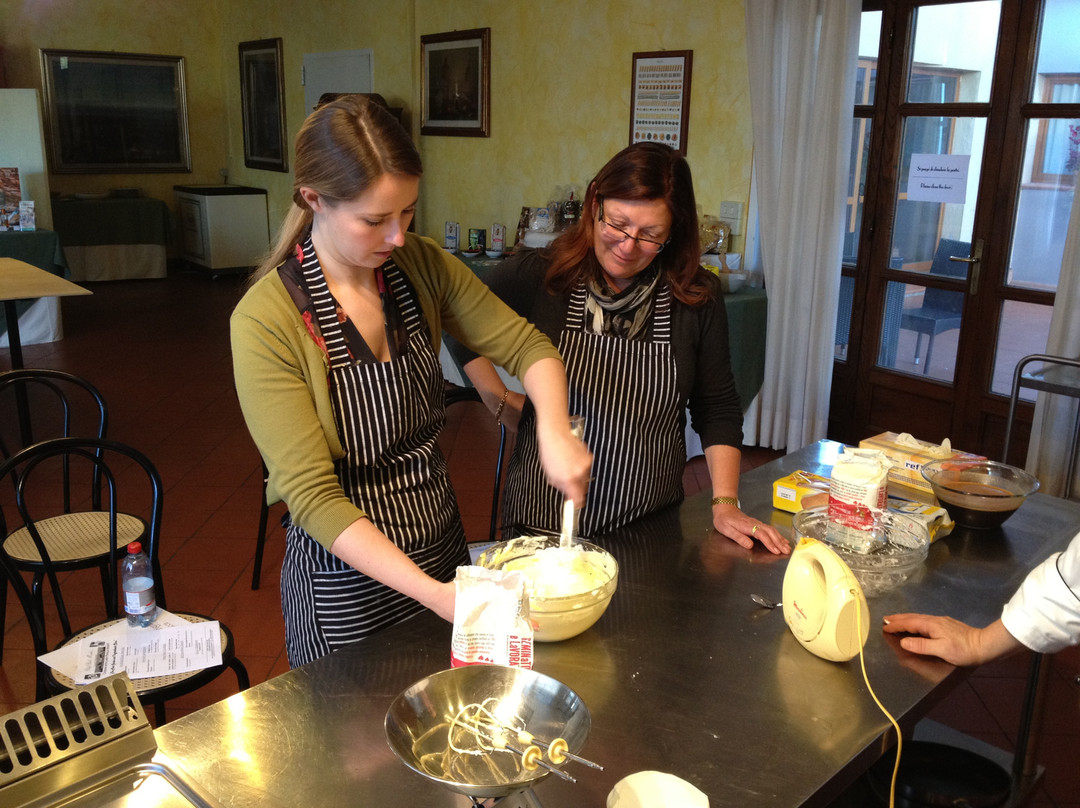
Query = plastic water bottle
x=138 y=585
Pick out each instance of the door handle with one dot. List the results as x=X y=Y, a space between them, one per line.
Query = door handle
x=975 y=264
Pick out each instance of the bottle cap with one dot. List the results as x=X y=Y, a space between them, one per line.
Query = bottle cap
x=134 y=548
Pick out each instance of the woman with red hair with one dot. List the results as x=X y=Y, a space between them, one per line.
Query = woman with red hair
x=643 y=332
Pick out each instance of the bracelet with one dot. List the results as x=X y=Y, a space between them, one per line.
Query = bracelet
x=726 y=501
x=498 y=412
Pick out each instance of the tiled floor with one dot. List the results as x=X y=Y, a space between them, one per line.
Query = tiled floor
x=159 y=352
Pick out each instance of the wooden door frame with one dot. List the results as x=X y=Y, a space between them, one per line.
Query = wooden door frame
x=857 y=381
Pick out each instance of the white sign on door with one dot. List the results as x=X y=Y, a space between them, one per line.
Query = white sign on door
x=938 y=178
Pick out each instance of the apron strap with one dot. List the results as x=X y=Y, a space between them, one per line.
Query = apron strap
x=325 y=307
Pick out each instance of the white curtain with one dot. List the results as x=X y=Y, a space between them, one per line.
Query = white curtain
x=1055 y=416
x=801 y=58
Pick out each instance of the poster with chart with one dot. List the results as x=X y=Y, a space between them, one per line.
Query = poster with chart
x=660 y=99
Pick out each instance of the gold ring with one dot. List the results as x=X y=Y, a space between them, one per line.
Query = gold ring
x=754 y=531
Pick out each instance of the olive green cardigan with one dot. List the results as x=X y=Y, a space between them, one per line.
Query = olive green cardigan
x=281 y=375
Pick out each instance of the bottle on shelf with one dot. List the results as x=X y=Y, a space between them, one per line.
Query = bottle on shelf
x=571 y=212
x=137 y=579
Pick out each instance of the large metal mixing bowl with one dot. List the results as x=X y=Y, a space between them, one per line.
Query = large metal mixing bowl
x=417 y=725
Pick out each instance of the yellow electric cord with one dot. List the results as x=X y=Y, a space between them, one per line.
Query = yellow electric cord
x=899 y=737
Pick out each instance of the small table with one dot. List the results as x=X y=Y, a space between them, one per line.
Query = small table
x=747 y=315
x=42 y=249
x=18 y=281
x=113 y=239
x=38 y=247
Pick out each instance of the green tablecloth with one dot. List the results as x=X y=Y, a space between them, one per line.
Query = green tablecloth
x=747 y=313
x=481 y=265
x=38 y=247
x=93 y=222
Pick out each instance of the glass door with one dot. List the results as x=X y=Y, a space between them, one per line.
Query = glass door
x=962 y=178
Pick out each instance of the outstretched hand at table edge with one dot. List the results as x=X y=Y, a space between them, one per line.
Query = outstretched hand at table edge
x=949 y=639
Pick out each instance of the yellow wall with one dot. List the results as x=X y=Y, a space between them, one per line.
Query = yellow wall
x=560 y=101
x=384 y=26
x=560 y=87
x=173 y=29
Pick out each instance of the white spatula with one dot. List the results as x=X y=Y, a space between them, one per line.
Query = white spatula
x=569 y=512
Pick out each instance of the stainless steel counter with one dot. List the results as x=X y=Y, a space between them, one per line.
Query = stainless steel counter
x=684 y=673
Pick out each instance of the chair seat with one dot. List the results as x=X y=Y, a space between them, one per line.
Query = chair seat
x=73 y=537
x=154 y=688
x=34 y=469
x=927 y=319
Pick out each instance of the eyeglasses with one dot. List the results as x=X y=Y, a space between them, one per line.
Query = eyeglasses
x=616 y=235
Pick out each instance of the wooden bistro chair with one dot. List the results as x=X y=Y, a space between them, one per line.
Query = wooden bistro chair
x=122 y=470
x=260 y=542
x=39 y=404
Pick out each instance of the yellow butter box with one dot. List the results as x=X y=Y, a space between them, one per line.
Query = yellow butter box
x=791 y=493
x=937 y=520
x=908 y=456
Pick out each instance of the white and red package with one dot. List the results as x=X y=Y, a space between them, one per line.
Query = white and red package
x=491 y=619
x=858 y=491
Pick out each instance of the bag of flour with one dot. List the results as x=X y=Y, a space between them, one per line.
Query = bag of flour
x=858 y=492
x=491 y=619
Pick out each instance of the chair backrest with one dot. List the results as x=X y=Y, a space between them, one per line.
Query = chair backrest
x=40 y=404
x=35 y=470
x=947 y=299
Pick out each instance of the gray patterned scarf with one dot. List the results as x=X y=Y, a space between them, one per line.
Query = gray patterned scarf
x=621 y=314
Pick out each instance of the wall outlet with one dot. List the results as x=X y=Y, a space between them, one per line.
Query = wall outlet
x=731 y=210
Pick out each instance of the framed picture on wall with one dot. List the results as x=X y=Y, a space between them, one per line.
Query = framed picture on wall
x=660 y=98
x=115 y=113
x=456 y=78
x=262 y=99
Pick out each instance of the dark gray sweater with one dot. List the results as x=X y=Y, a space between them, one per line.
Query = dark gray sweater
x=699 y=341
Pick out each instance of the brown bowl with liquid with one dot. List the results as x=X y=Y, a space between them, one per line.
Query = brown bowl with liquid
x=979 y=494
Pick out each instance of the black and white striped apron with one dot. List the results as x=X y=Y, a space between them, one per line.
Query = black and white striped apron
x=628 y=393
x=388 y=415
